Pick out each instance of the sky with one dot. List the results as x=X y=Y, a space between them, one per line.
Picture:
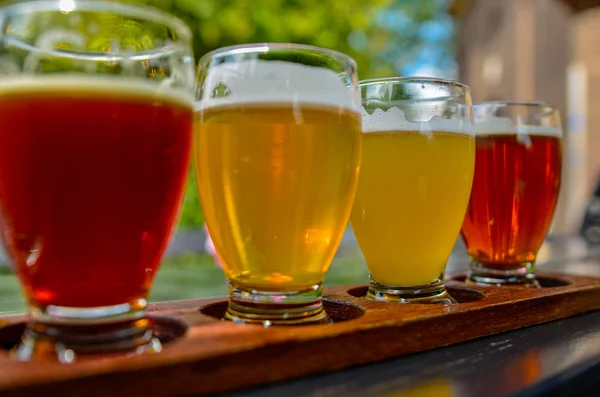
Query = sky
x=430 y=59
x=421 y=48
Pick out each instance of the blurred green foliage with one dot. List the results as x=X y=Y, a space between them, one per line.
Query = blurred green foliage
x=191 y=213
x=368 y=30
x=381 y=35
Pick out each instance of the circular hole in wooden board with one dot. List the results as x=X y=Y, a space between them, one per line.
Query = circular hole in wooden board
x=545 y=282
x=338 y=311
x=166 y=329
x=460 y=294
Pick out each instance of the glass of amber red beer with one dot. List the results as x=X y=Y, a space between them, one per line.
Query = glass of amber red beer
x=95 y=129
x=515 y=189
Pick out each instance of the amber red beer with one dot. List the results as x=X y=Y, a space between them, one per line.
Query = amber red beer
x=512 y=202
x=88 y=201
x=515 y=189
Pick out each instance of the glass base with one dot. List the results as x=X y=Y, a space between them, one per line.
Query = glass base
x=276 y=308
x=430 y=293
x=66 y=333
x=523 y=276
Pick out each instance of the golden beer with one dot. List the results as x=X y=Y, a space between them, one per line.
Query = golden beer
x=276 y=183
x=412 y=195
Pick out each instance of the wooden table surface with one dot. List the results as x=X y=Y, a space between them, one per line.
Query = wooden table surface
x=561 y=358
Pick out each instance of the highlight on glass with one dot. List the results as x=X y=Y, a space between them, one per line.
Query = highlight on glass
x=515 y=190
x=96 y=115
x=277 y=155
x=414 y=184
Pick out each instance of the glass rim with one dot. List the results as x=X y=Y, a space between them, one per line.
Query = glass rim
x=144 y=12
x=264 y=47
x=413 y=79
x=515 y=102
x=540 y=108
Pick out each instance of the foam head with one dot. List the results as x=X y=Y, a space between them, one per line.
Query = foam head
x=394 y=119
x=491 y=125
x=104 y=85
x=267 y=82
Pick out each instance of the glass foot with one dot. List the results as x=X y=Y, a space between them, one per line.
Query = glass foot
x=430 y=293
x=523 y=276
x=68 y=334
x=276 y=308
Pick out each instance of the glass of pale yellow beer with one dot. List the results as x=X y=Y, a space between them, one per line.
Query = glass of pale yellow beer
x=416 y=175
x=277 y=153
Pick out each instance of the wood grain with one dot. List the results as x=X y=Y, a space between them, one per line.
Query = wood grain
x=215 y=356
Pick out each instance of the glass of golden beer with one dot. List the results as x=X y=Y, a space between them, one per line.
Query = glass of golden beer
x=515 y=190
x=414 y=185
x=277 y=152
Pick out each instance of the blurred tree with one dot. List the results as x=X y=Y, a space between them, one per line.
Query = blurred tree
x=381 y=35
x=385 y=37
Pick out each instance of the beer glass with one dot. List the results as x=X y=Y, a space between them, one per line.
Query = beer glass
x=515 y=189
x=96 y=115
x=277 y=152
x=414 y=185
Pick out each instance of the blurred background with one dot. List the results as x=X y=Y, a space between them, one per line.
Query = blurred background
x=545 y=50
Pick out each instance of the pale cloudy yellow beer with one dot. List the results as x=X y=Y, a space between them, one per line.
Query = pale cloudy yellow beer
x=412 y=195
x=277 y=192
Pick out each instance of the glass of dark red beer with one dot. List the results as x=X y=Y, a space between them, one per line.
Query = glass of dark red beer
x=95 y=129
x=515 y=189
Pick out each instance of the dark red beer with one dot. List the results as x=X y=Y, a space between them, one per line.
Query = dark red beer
x=91 y=179
x=515 y=188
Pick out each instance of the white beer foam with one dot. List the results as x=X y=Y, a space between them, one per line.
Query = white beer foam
x=98 y=85
x=394 y=119
x=504 y=126
x=266 y=82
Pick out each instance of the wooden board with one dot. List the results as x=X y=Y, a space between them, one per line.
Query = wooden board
x=215 y=356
